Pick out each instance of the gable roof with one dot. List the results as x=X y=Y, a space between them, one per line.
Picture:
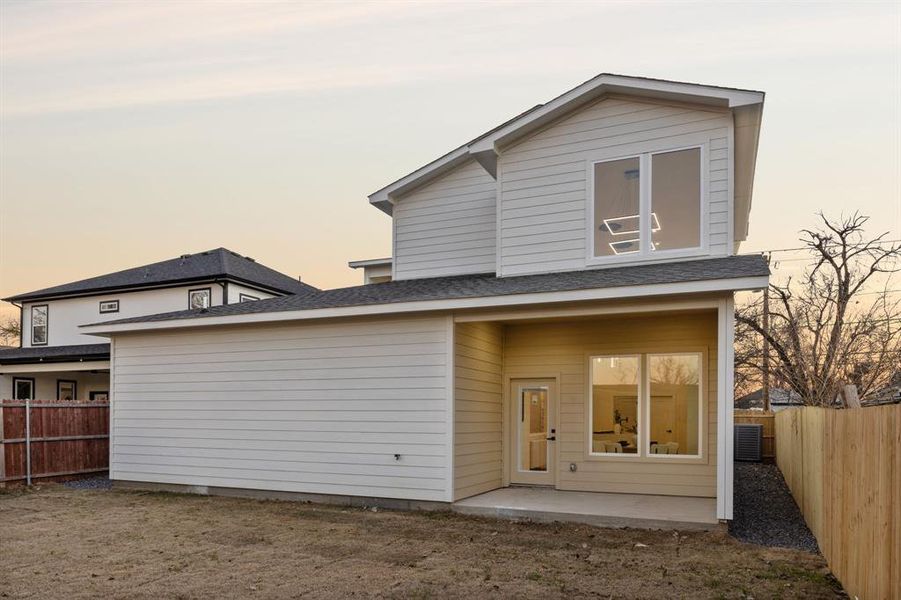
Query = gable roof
x=426 y=294
x=746 y=105
x=220 y=263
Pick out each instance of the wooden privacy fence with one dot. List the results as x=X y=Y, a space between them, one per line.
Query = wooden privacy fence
x=40 y=439
x=767 y=419
x=844 y=469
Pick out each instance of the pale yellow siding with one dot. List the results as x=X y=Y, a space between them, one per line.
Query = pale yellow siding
x=562 y=349
x=478 y=408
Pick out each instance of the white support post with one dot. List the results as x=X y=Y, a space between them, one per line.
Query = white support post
x=450 y=416
x=725 y=408
x=28 y=442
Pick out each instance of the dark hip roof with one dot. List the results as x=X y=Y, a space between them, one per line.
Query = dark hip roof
x=45 y=354
x=212 y=264
x=487 y=285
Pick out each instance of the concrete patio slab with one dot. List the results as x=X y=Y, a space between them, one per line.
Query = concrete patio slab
x=600 y=509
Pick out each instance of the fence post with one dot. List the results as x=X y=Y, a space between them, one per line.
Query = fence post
x=28 y=442
x=2 y=448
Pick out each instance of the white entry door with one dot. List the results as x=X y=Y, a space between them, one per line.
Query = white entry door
x=533 y=449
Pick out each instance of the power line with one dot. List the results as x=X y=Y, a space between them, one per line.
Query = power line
x=801 y=248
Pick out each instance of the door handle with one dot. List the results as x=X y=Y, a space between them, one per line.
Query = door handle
x=551 y=438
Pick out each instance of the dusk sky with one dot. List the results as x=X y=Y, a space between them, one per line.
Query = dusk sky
x=132 y=132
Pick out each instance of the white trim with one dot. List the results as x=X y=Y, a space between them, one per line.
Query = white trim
x=50 y=367
x=621 y=292
x=393 y=247
x=15 y=390
x=725 y=402
x=46 y=325
x=605 y=83
x=511 y=438
x=586 y=311
x=370 y=262
x=620 y=84
x=112 y=406
x=498 y=220
x=450 y=383
x=639 y=409
x=730 y=188
x=646 y=211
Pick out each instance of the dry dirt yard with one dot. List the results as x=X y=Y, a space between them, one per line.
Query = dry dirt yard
x=57 y=542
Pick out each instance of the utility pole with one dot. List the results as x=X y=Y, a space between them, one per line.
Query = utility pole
x=766 y=344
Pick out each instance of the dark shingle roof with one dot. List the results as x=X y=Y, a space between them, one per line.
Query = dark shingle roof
x=218 y=263
x=10 y=356
x=487 y=285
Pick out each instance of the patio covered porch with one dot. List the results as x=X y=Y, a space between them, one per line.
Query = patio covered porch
x=546 y=505
x=605 y=413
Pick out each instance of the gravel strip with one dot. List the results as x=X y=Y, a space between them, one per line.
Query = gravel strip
x=765 y=512
x=90 y=483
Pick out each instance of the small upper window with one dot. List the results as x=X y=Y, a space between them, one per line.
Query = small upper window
x=647 y=203
x=199 y=298
x=39 y=324
x=109 y=306
x=246 y=298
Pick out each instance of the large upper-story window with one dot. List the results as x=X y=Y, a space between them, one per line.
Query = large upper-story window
x=39 y=323
x=647 y=204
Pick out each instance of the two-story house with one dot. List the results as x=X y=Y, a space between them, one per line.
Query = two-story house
x=557 y=312
x=56 y=361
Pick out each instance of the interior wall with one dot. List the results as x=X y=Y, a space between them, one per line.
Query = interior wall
x=562 y=349
x=478 y=408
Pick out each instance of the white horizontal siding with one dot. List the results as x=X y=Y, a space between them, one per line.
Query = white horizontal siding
x=544 y=187
x=315 y=408
x=448 y=226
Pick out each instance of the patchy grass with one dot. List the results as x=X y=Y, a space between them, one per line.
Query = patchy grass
x=62 y=543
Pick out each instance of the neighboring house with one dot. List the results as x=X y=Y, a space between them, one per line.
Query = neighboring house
x=57 y=361
x=375 y=270
x=780 y=399
x=888 y=395
x=560 y=314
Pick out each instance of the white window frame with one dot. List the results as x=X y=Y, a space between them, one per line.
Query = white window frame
x=702 y=407
x=209 y=293
x=109 y=306
x=641 y=417
x=30 y=380
x=645 y=200
x=46 y=308
x=242 y=297
x=644 y=410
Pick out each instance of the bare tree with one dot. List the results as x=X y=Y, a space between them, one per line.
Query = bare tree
x=10 y=331
x=824 y=329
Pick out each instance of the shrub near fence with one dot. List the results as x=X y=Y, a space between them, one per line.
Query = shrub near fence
x=844 y=469
x=64 y=438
